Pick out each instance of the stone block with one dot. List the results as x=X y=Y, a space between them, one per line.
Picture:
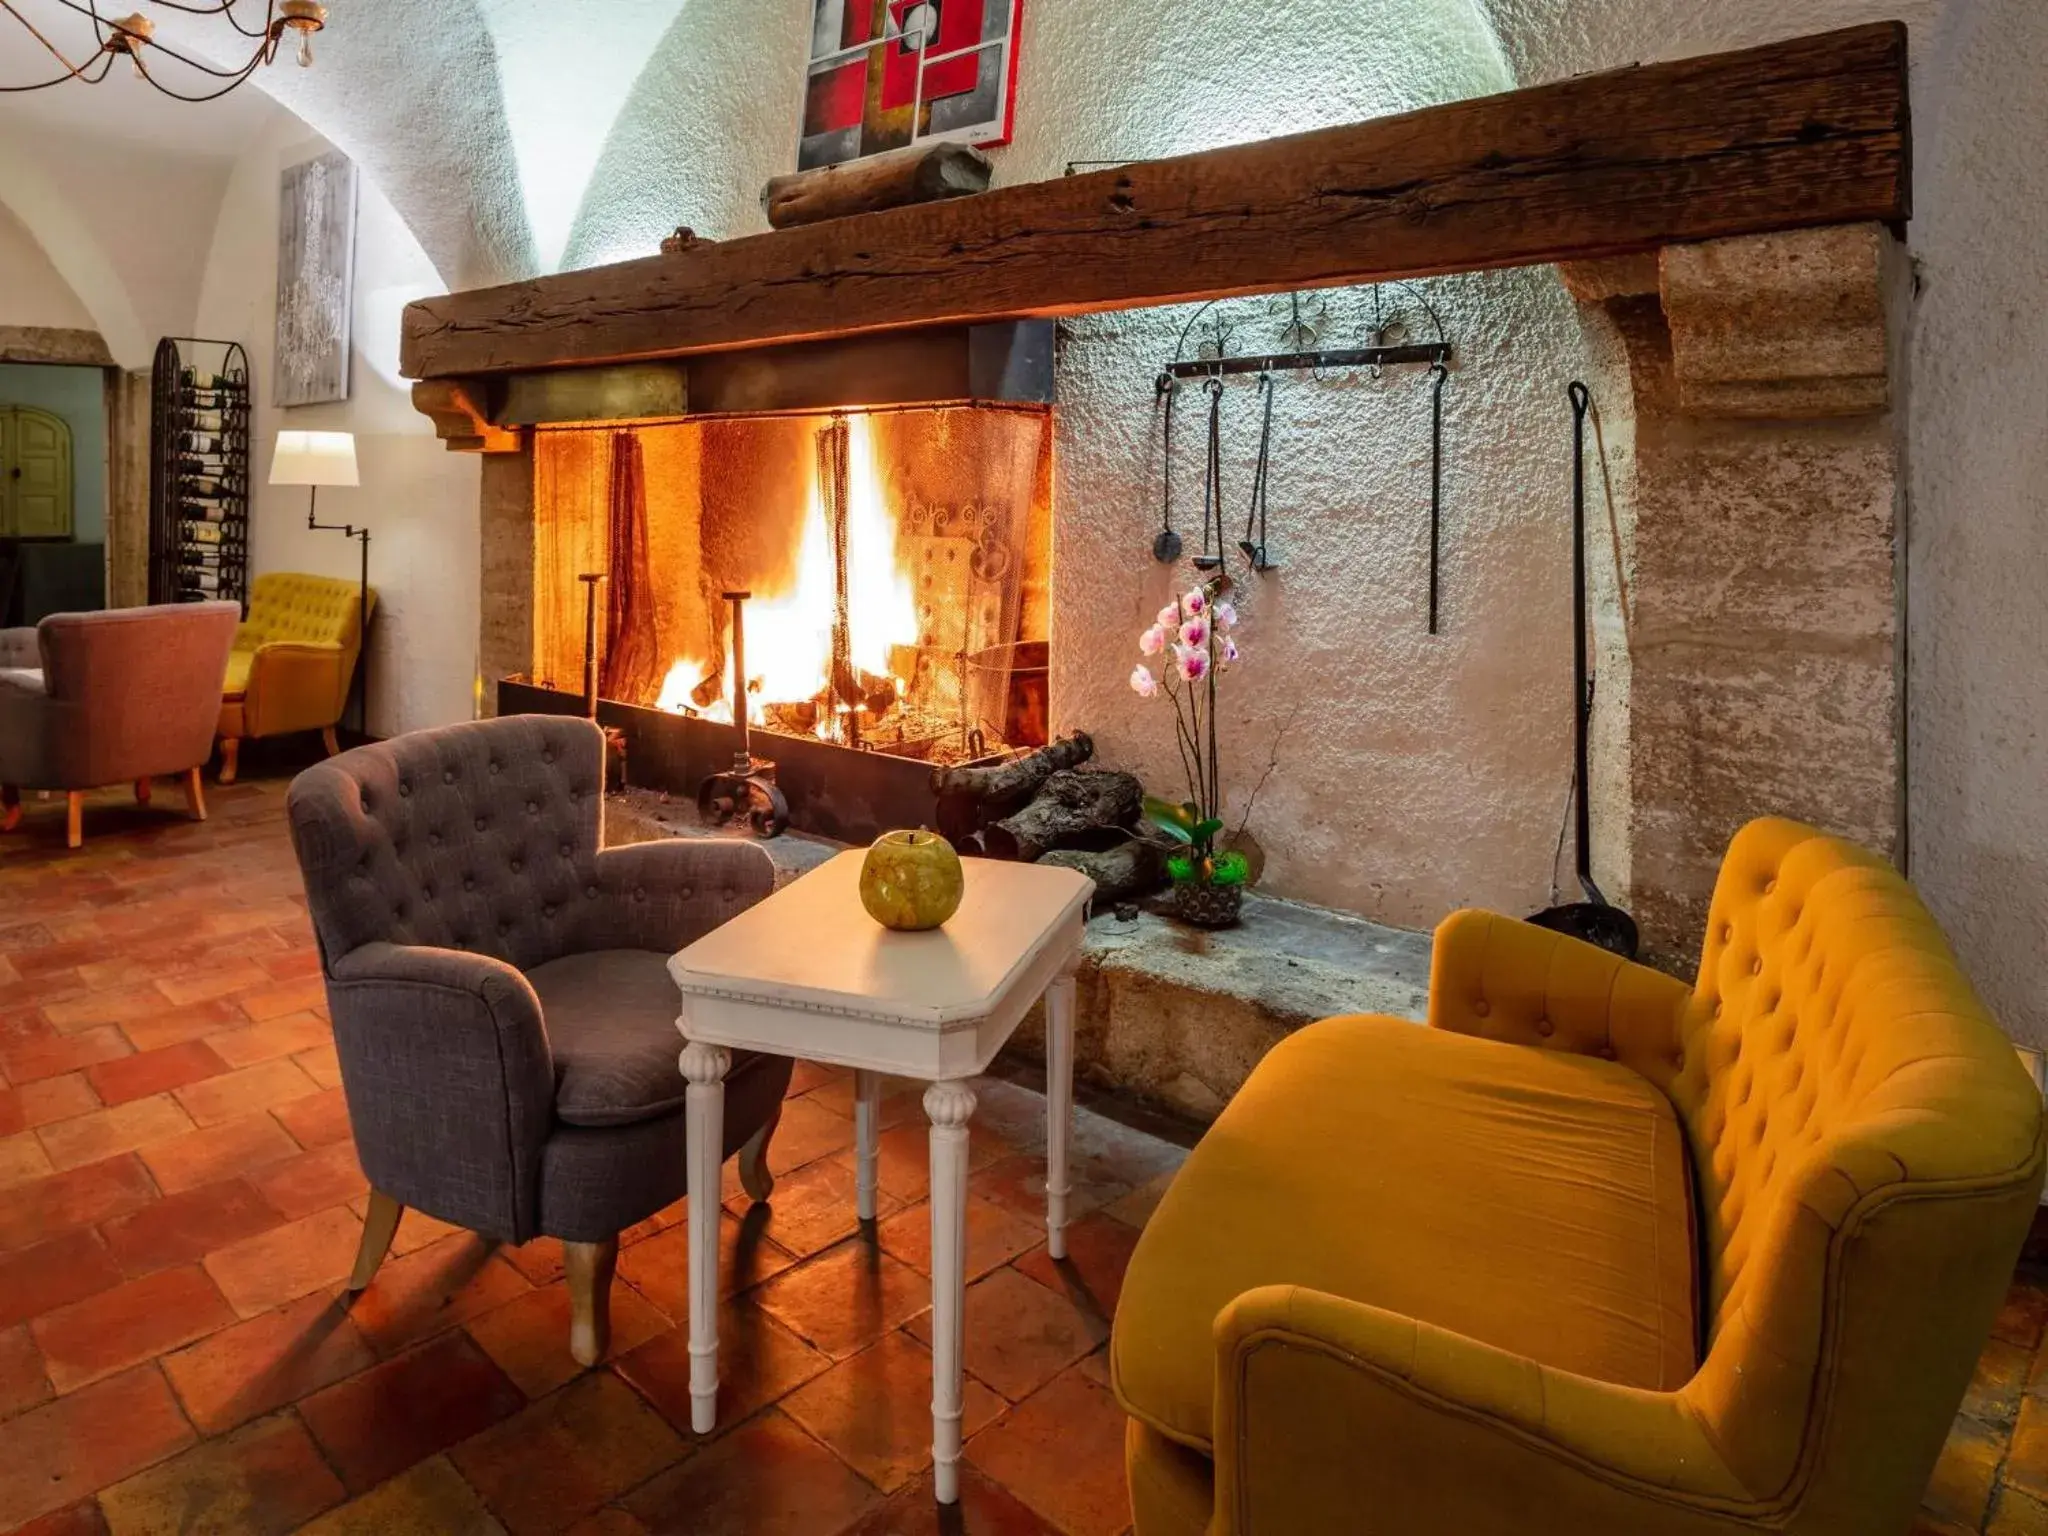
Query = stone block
x=1781 y=325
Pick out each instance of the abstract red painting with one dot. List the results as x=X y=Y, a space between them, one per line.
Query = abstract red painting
x=889 y=73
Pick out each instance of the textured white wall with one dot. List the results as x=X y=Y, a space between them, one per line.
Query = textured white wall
x=1978 y=458
x=419 y=501
x=32 y=292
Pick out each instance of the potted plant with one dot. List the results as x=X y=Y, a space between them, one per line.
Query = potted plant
x=1192 y=640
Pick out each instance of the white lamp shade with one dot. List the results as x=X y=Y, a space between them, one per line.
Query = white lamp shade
x=314 y=458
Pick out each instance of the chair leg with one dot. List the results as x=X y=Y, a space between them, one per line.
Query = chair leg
x=195 y=795
x=756 y=1178
x=380 y=1223
x=74 y=818
x=589 y=1268
x=10 y=807
x=230 y=757
x=142 y=791
x=329 y=740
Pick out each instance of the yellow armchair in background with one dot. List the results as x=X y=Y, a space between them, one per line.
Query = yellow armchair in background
x=1597 y=1251
x=293 y=660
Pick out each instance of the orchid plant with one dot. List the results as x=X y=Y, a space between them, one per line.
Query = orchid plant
x=1191 y=640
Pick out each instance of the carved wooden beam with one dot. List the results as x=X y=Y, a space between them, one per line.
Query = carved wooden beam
x=460 y=419
x=1796 y=134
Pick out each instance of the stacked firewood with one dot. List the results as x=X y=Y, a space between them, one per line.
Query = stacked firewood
x=1045 y=807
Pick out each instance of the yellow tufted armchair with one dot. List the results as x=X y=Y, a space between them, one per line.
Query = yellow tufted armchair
x=1597 y=1251
x=293 y=659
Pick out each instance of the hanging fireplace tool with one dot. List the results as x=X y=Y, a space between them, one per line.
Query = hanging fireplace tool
x=1214 y=539
x=1595 y=920
x=1255 y=515
x=747 y=788
x=1166 y=544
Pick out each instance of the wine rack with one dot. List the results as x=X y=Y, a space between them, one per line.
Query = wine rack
x=199 y=471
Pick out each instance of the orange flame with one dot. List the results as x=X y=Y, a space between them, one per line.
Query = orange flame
x=789 y=633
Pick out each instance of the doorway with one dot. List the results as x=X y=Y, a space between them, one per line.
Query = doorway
x=53 y=490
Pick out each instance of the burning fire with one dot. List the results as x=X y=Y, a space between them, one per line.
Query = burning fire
x=789 y=634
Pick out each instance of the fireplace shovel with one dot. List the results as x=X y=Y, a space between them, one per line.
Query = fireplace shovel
x=1595 y=919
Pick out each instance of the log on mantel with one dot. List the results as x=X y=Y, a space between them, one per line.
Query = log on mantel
x=920 y=173
x=1791 y=135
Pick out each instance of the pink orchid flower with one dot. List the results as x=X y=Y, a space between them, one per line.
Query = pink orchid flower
x=1194 y=664
x=1143 y=683
x=1229 y=649
x=1153 y=641
x=1225 y=616
x=1194 y=633
x=1196 y=601
x=1169 y=616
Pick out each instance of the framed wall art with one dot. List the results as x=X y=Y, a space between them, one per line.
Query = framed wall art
x=885 y=74
x=316 y=249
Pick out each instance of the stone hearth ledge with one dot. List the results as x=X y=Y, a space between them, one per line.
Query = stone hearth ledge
x=1166 y=1015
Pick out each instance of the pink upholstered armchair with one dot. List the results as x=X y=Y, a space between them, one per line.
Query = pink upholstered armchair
x=90 y=699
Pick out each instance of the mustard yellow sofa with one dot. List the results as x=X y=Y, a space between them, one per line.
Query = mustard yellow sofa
x=293 y=660
x=1597 y=1251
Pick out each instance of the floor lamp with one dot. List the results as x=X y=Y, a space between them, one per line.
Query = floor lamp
x=314 y=459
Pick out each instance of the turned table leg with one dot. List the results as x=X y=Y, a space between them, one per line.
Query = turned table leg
x=950 y=1106
x=867 y=1109
x=705 y=1067
x=1059 y=1108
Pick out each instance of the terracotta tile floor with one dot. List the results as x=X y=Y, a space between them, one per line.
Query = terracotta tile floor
x=179 y=1202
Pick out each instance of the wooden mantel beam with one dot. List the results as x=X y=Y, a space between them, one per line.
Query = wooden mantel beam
x=1809 y=132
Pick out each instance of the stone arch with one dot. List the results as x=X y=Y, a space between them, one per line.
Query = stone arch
x=43 y=210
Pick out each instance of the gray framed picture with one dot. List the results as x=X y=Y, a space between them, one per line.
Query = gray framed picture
x=316 y=254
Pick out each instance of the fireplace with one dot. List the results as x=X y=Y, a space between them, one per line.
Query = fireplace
x=883 y=568
x=1735 y=296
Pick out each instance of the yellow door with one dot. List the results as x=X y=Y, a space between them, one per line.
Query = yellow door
x=35 y=474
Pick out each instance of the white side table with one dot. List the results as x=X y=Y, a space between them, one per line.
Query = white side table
x=807 y=973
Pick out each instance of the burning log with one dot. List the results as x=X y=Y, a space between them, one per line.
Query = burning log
x=1070 y=805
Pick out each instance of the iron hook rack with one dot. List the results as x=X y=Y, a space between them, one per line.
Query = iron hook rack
x=1435 y=354
x=1342 y=357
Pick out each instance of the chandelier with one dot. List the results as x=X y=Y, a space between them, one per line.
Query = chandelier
x=134 y=38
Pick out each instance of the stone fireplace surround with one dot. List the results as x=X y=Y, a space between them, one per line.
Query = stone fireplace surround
x=1748 y=619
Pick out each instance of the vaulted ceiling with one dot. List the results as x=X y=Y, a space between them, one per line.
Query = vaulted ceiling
x=519 y=136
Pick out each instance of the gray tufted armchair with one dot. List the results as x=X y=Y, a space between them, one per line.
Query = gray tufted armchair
x=499 y=988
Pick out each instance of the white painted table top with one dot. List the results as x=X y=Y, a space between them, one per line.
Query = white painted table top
x=813 y=945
